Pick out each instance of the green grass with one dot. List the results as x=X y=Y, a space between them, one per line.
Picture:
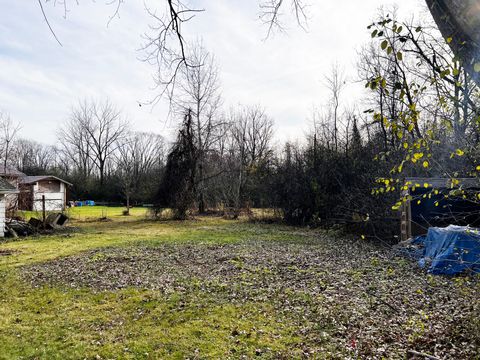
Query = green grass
x=57 y=324
x=240 y=290
x=135 y=229
x=92 y=212
x=51 y=322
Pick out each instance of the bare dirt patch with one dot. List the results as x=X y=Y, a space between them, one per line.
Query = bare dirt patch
x=296 y=265
x=352 y=295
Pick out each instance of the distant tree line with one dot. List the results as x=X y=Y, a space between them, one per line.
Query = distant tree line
x=420 y=117
x=96 y=152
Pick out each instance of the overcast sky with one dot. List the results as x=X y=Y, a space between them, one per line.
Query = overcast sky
x=40 y=80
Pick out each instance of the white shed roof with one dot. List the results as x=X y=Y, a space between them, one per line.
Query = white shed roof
x=33 y=179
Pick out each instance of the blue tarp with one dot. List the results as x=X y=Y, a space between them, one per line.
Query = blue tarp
x=85 y=203
x=451 y=250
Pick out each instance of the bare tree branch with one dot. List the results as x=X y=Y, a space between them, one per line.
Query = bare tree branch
x=271 y=13
x=165 y=47
x=48 y=23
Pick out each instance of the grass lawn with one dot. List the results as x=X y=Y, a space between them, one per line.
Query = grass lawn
x=85 y=213
x=133 y=288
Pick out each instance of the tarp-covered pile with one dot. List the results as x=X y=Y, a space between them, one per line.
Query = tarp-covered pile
x=449 y=251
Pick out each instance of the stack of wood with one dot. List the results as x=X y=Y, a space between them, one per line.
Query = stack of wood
x=16 y=228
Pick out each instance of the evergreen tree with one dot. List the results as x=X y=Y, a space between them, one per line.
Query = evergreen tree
x=177 y=189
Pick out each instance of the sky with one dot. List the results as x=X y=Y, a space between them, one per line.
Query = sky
x=40 y=80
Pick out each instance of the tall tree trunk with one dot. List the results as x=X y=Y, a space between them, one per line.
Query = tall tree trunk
x=200 y=187
x=201 y=196
x=238 y=195
x=102 y=176
x=5 y=160
x=454 y=21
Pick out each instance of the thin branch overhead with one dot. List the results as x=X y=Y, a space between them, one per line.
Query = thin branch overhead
x=48 y=23
x=116 y=13
x=165 y=46
x=66 y=8
x=271 y=14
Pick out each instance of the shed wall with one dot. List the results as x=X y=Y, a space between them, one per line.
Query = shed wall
x=54 y=201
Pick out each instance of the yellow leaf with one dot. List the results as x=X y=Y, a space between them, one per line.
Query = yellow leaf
x=459 y=152
x=425 y=164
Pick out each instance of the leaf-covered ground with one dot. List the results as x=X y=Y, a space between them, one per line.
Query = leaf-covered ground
x=219 y=289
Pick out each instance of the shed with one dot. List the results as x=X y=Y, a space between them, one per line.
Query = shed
x=5 y=189
x=427 y=205
x=33 y=189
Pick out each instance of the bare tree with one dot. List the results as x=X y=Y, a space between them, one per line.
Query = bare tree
x=74 y=142
x=335 y=84
x=138 y=154
x=91 y=135
x=251 y=131
x=199 y=90
x=8 y=133
x=29 y=155
x=62 y=163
